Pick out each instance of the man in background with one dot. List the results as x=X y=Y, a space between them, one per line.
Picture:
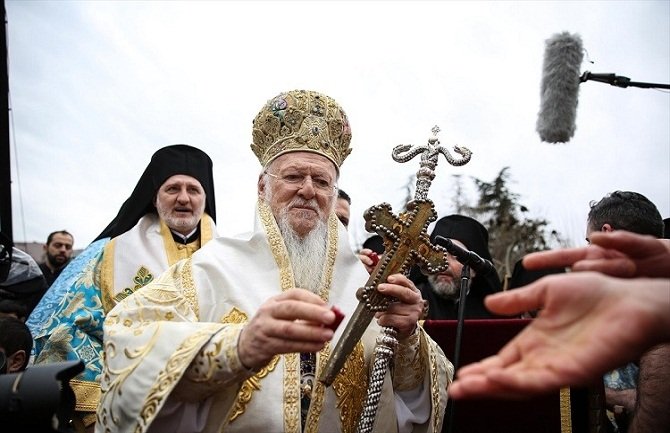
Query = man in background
x=634 y=396
x=442 y=291
x=57 y=254
x=343 y=207
x=169 y=215
x=15 y=345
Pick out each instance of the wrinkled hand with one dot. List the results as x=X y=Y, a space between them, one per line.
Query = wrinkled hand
x=367 y=257
x=618 y=253
x=589 y=324
x=294 y=321
x=405 y=313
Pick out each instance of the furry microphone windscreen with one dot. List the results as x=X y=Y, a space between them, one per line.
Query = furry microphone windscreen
x=560 y=87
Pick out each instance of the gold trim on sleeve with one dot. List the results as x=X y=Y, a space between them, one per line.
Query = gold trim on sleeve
x=254 y=382
x=87 y=395
x=176 y=365
x=107 y=276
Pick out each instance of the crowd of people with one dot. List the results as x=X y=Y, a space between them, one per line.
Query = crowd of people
x=183 y=330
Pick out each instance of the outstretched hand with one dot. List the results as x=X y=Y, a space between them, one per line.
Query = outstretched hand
x=589 y=324
x=294 y=321
x=618 y=253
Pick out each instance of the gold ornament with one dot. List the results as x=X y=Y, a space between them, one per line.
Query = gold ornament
x=301 y=121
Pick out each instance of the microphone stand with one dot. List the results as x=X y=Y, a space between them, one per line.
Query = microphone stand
x=465 y=282
x=619 y=81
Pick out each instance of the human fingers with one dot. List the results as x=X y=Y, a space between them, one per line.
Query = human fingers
x=284 y=325
x=619 y=267
x=404 y=313
x=298 y=304
x=649 y=257
x=401 y=288
x=480 y=367
x=365 y=259
x=262 y=339
x=566 y=257
x=631 y=244
x=301 y=295
x=553 y=258
x=481 y=386
x=518 y=300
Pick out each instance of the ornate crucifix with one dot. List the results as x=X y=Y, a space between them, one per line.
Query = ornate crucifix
x=406 y=243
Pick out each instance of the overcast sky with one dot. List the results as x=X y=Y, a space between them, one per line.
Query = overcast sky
x=97 y=87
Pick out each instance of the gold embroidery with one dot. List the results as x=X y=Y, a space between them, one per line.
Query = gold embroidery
x=276 y=245
x=176 y=365
x=351 y=386
x=86 y=277
x=292 y=361
x=113 y=378
x=171 y=249
x=142 y=277
x=312 y=423
x=107 y=276
x=566 y=411
x=206 y=231
x=87 y=395
x=437 y=411
x=248 y=387
x=253 y=383
x=409 y=364
x=292 y=392
x=188 y=286
x=235 y=316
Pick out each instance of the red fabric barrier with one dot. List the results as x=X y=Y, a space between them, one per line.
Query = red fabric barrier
x=482 y=338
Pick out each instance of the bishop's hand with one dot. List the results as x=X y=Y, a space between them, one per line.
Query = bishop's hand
x=405 y=312
x=292 y=322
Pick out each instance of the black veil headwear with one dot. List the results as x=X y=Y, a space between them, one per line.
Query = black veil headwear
x=475 y=237
x=166 y=162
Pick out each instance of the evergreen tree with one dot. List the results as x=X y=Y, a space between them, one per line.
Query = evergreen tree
x=512 y=233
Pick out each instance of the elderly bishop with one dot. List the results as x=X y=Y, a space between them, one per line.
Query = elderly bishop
x=233 y=338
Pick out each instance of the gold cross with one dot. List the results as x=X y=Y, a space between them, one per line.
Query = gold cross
x=406 y=243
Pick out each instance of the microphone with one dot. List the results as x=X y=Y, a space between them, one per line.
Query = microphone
x=478 y=264
x=560 y=87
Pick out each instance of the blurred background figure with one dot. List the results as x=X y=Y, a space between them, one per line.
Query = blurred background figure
x=15 y=345
x=644 y=383
x=57 y=254
x=21 y=280
x=442 y=290
x=343 y=207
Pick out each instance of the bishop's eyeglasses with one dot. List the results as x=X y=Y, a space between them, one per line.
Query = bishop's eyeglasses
x=297 y=180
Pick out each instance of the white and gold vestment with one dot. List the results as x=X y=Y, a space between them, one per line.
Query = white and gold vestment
x=171 y=362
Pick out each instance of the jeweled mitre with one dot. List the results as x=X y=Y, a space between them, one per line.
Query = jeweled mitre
x=301 y=121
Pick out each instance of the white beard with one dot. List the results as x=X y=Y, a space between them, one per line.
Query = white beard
x=308 y=254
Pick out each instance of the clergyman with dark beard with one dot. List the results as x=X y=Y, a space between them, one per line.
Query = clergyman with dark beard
x=442 y=291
